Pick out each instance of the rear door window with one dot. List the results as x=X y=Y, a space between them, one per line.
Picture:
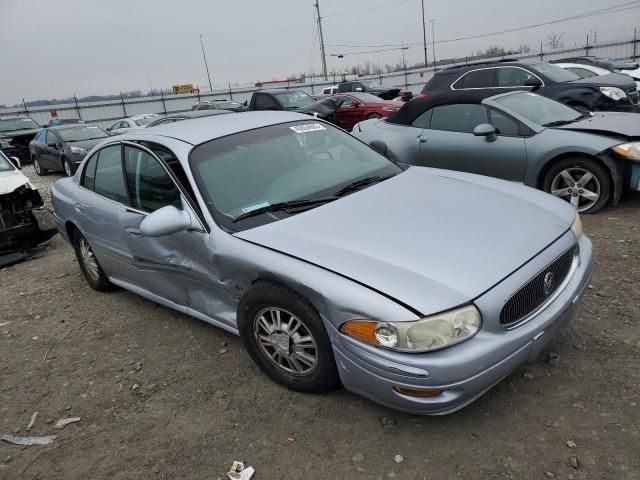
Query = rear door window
x=462 y=117
x=423 y=120
x=476 y=79
x=51 y=139
x=109 y=179
x=89 y=176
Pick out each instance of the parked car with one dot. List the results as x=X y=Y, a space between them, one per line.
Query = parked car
x=330 y=90
x=610 y=64
x=62 y=148
x=417 y=288
x=24 y=222
x=54 y=122
x=221 y=105
x=178 y=117
x=132 y=123
x=585 y=159
x=15 y=135
x=369 y=86
x=584 y=70
x=633 y=73
x=602 y=93
x=292 y=100
x=358 y=106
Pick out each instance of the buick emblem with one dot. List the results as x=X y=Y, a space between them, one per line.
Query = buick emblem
x=548 y=281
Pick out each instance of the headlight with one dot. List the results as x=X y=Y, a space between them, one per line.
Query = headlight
x=429 y=333
x=5 y=142
x=390 y=109
x=576 y=226
x=614 y=93
x=629 y=151
x=77 y=150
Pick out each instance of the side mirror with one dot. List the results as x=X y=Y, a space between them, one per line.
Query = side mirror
x=358 y=89
x=533 y=82
x=108 y=129
x=16 y=162
x=380 y=147
x=485 y=130
x=165 y=221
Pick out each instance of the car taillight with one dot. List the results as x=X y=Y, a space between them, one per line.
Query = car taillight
x=421 y=95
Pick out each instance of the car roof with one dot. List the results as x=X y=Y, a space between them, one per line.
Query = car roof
x=210 y=127
x=416 y=107
x=470 y=66
x=70 y=126
x=144 y=115
x=276 y=91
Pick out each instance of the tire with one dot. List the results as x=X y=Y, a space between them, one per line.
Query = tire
x=38 y=169
x=302 y=361
x=373 y=115
x=562 y=180
x=94 y=274
x=67 y=167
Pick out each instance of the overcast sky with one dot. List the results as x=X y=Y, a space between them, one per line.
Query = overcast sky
x=58 y=48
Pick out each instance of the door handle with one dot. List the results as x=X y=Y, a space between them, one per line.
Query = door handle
x=134 y=232
x=422 y=139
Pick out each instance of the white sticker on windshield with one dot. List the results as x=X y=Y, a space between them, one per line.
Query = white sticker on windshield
x=255 y=207
x=307 y=127
x=92 y=127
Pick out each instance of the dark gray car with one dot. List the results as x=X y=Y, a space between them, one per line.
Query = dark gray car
x=588 y=159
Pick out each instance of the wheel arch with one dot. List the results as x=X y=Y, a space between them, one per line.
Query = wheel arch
x=612 y=166
x=70 y=229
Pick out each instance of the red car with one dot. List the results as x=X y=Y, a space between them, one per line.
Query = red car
x=359 y=106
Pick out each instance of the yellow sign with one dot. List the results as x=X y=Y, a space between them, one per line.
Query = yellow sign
x=188 y=88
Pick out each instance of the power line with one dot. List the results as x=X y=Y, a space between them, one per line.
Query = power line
x=604 y=11
x=350 y=12
x=368 y=51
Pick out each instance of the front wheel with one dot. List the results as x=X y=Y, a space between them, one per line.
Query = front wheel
x=68 y=170
x=583 y=182
x=37 y=168
x=285 y=337
x=373 y=115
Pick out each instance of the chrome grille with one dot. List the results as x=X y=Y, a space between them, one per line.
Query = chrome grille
x=538 y=290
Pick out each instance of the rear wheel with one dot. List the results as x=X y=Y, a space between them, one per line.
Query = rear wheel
x=38 y=169
x=580 y=181
x=286 y=338
x=89 y=264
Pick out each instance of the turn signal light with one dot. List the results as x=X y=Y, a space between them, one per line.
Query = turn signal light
x=417 y=393
x=362 y=330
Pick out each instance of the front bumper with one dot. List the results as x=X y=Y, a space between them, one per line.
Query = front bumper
x=467 y=370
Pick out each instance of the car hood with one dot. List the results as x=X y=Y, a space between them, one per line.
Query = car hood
x=608 y=123
x=11 y=180
x=87 y=144
x=611 y=79
x=20 y=133
x=431 y=239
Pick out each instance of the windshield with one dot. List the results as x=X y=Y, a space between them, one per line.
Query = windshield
x=280 y=163
x=367 y=97
x=295 y=99
x=5 y=164
x=82 y=133
x=554 y=72
x=539 y=110
x=371 y=84
x=146 y=120
x=8 y=125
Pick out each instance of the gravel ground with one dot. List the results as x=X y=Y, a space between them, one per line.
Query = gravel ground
x=161 y=395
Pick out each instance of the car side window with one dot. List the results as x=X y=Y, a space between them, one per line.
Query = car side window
x=356 y=85
x=476 y=79
x=150 y=185
x=462 y=117
x=504 y=124
x=89 y=175
x=115 y=126
x=109 y=179
x=265 y=102
x=347 y=100
x=52 y=138
x=40 y=136
x=512 y=77
x=423 y=120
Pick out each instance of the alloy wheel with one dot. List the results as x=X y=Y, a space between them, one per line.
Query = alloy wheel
x=67 y=168
x=36 y=166
x=286 y=341
x=578 y=186
x=89 y=260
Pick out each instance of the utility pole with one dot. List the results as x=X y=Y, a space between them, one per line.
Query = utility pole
x=205 y=64
x=424 y=36
x=324 y=56
x=433 y=43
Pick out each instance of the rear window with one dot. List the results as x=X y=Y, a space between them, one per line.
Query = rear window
x=476 y=79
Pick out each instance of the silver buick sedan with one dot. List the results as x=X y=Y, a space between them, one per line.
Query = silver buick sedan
x=417 y=288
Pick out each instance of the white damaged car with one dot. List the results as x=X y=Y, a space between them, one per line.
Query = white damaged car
x=24 y=221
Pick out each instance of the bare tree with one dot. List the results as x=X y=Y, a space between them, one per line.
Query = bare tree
x=553 y=41
x=388 y=68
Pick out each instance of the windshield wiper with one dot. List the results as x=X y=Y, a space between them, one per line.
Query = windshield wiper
x=358 y=184
x=305 y=202
x=559 y=123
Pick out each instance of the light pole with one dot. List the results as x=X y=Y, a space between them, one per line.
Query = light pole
x=433 y=43
x=205 y=64
x=424 y=36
